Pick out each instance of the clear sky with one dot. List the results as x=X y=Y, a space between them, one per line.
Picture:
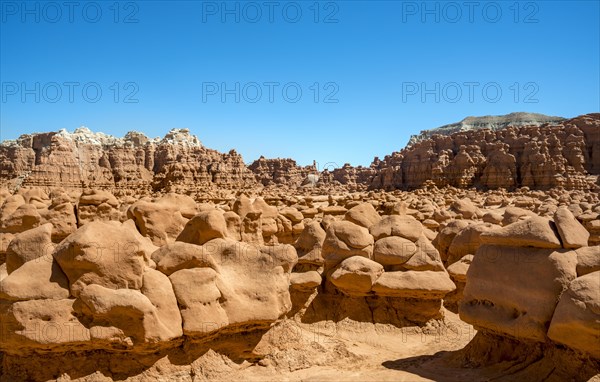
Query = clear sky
x=370 y=73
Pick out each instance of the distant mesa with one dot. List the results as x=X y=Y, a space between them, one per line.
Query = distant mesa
x=492 y=122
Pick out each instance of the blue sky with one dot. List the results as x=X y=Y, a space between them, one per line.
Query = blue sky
x=370 y=73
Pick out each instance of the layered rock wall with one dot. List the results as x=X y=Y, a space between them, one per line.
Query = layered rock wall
x=564 y=154
x=538 y=157
x=85 y=159
x=281 y=171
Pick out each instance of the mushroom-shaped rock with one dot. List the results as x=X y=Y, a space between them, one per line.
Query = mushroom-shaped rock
x=41 y=278
x=467 y=241
x=576 y=320
x=127 y=310
x=536 y=232
x=293 y=214
x=34 y=323
x=426 y=258
x=305 y=281
x=573 y=234
x=310 y=243
x=414 y=284
x=29 y=245
x=175 y=256
x=104 y=253
x=588 y=260
x=345 y=239
x=514 y=214
x=205 y=226
x=356 y=275
x=514 y=291
x=464 y=207
x=492 y=217
x=393 y=250
x=157 y=287
x=363 y=214
x=160 y=222
x=493 y=200
x=444 y=238
x=333 y=210
x=24 y=218
x=309 y=213
x=198 y=297
x=431 y=224
x=183 y=203
x=458 y=270
x=95 y=205
x=404 y=226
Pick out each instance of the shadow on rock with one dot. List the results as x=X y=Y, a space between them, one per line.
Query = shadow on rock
x=491 y=357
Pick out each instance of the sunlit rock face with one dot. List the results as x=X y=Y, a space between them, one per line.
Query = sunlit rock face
x=87 y=159
x=556 y=153
x=483 y=152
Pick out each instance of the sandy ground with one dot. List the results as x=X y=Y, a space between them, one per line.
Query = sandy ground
x=328 y=351
x=351 y=351
x=342 y=351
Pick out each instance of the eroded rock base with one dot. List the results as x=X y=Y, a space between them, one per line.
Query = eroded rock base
x=506 y=359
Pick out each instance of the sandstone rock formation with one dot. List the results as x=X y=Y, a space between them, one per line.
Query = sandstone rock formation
x=84 y=158
x=516 y=278
x=182 y=258
x=488 y=122
x=526 y=150
x=112 y=289
x=369 y=268
x=282 y=172
x=557 y=154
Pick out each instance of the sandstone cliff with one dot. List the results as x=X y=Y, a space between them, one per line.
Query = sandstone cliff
x=281 y=171
x=84 y=158
x=562 y=154
x=540 y=157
